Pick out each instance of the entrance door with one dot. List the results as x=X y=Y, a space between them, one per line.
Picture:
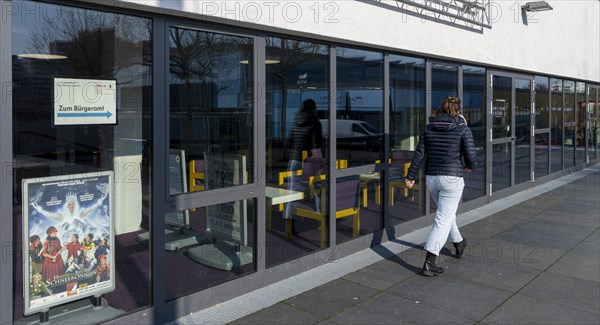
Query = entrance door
x=511 y=128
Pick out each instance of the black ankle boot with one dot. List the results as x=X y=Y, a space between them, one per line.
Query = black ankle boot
x=460 y=248
x=429 y=268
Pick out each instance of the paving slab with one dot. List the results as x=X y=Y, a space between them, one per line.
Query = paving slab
x=461 y=297
x=505 y=276
x=595 y=236
x=581 y=262
x=522 y=253
x=390 y=309
x=520 y=309
x=279 y=313
x=584 y=220
x=484 y=229
x=566 y=290
x=561 y=239
x=331 y=298
x=384 y=274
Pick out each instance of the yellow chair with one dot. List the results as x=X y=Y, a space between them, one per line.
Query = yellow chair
x=400 y=183
x=347 y=200
x=196 y=175
x=282 y=176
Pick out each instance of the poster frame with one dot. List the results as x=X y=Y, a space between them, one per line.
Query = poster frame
x=26 y=183
x=238 y=177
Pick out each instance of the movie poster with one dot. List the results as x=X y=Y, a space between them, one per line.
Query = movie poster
x=67 y=238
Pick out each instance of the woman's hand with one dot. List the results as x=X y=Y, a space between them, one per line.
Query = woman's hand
x=409 y=183
x=467 y=170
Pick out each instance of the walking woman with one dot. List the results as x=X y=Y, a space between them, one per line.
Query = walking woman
x=448 y=150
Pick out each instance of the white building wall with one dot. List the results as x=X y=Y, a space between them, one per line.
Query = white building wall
x=564 y=41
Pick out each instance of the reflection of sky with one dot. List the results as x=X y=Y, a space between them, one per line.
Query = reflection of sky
x=29 y=15
x=364 y=55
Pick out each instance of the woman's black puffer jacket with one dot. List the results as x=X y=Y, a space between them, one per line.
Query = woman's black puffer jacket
x=306 y=134
x=446 y=145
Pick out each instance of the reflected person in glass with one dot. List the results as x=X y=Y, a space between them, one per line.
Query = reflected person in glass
x=307 y=137
x=446 y=145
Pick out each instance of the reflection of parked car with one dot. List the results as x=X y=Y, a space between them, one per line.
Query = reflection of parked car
x=354 y=132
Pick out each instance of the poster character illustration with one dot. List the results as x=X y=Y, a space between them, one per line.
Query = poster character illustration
x=68 y=231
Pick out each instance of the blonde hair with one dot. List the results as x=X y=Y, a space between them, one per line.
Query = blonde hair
x=450 y=105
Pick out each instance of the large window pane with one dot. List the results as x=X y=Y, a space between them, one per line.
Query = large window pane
x=296 y=71
x=581 y=122
x=79 y=51
x=474 y=97
x=592 y=115
x=407 y=120
x=211 y=98
x=216 y=261
x=501 y=107
x=542 y=107
x=359 y=116
x=444 y=83
x=556 y=125
x=522 y=130
x=501 y=169
x=542 y=121
x=569 y=134
x=541 y=155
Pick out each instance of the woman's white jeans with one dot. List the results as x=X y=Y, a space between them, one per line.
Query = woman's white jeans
x=446 y=191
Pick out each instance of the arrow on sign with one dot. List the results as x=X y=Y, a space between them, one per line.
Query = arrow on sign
x=107 y=114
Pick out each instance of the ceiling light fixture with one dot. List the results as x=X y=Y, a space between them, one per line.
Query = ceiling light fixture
x=41 y=56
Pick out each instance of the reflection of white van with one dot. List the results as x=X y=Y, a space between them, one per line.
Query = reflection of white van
x=353 y=131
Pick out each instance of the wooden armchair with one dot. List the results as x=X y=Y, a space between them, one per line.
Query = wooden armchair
x=347 y=200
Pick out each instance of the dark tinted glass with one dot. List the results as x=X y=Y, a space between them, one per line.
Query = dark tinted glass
x=407 y=120
x=359 y=114
x=296 y=72
x=82 y=106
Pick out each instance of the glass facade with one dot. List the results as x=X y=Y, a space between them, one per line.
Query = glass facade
x=407 y=121
x=88 y=179
x=245 y=126
x=522 y=130
x=570 y=123
x=542 y=126
x=359 y=106
x=296 y=72
x=211 y=148
x=593 y=132
x=580 y=129
x=359 y=141
x=474 y=110
x=556 y=125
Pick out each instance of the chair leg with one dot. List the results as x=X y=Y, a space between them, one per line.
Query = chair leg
x=355 y=225
x=288 y=228
x=323 y=233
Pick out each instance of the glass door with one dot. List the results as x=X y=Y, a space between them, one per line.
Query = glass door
x=510 y=131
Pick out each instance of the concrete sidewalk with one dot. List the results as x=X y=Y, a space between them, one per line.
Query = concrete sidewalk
x=532 y=258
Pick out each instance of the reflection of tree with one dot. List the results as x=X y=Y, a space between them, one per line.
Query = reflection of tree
x=96 y=44
x=198 y=59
